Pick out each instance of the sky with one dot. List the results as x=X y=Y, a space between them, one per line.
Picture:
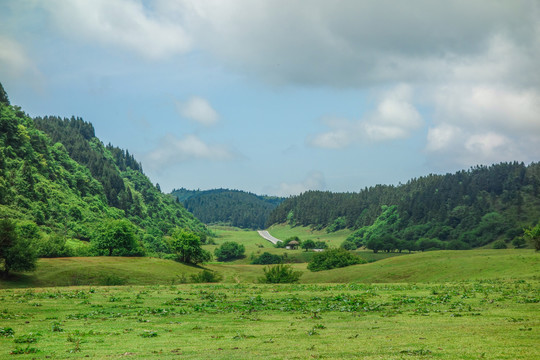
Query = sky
x=279 y=97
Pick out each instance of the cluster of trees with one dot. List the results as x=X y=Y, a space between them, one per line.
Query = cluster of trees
x=453 y=211
x=231 y=207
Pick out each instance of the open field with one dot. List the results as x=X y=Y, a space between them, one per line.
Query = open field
x=256 y=245
x=433 y=266
x=458 y=320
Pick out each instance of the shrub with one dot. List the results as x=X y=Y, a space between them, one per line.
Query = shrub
x=518 y=242
x=333 y=258
x=206 y=276
x=457 y=245
x=349 y=245
x=280 y=274
x=499 y=244
x=266 y=259
x=229 y=250
x=321 y=245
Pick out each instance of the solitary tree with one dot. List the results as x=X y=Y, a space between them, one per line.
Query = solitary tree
x=187 y=247
x=16 y=252
x=116 y=238
x=308 y=244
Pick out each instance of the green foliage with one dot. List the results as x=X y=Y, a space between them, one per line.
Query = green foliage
x=187 y=247
x=57 y=174
x=338 y=224
x=206 y=276
x=54 y=245
x=349 y=245
x=280 y=274
x=533 y=234
x=519 y=242
x=308 y=244
x=333 y=258
x=3 y=96
x=116 y=238
x=424 y=244
x=500 y=244
x=17 y=252
x=229 y=250
x=267 y=259
x=230 y=207
x=475 y=207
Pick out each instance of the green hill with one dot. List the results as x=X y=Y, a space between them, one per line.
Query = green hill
x=228 y=207
x=433 y=266
x=464 y=210
x=55 y=173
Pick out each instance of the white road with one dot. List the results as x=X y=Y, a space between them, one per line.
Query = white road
x=265 y=234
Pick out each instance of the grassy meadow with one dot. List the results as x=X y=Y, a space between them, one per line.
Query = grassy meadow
x=459 y=320
x=477 y=304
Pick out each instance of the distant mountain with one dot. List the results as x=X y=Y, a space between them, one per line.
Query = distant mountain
x=455 y=211
x=232 y=207
x=57 y=174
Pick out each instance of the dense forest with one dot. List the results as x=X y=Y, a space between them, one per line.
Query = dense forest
x=231 y=207
x=56 y=174
x=457 y=211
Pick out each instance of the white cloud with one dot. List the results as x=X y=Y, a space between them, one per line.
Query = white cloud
x=126 y=24
x=199 y=110
x=13 y=58
x=314 y=181
x=394 y=118
x=173 y=150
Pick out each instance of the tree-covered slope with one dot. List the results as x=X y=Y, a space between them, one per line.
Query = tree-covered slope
x=466 y=209
x=233 y=207
x=57 y=174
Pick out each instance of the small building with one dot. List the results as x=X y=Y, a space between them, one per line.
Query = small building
x=292 y=245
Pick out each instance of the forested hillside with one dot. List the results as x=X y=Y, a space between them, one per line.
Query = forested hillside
x=462 y=210
x=55 y=173
x=231 y=207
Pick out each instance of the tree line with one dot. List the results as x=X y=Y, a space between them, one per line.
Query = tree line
x=231 y=207
x=469 y=208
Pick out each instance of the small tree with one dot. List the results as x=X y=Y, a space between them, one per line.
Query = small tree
x=187 y=247
x=117 y=238
x=280 y=274
x=533 y=234
x=229 y=250
x=308 y=245
x=16 y=252
x=518 y=242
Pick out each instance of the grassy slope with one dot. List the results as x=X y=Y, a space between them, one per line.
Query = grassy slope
x=436 y=266
x=439 y=266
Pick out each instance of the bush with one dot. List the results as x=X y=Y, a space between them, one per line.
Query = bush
x=266 y=259
x=206 y=276
x=457 y=245
x=333 y=258
x=499 y=244
x=349 y=245
x=229 y=250
x=518 y=242
x=280 y=274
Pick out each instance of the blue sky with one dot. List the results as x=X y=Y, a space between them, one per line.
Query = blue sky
x=279 y=97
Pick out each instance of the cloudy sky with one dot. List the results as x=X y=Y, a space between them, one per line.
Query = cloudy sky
x=282 y=96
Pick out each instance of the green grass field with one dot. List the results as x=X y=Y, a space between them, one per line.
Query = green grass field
x=459 y=320
x=477 y=304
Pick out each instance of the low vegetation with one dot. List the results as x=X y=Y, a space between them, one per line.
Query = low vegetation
x=456 y=320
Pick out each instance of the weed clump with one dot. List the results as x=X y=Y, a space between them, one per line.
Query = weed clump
x=280 y=274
